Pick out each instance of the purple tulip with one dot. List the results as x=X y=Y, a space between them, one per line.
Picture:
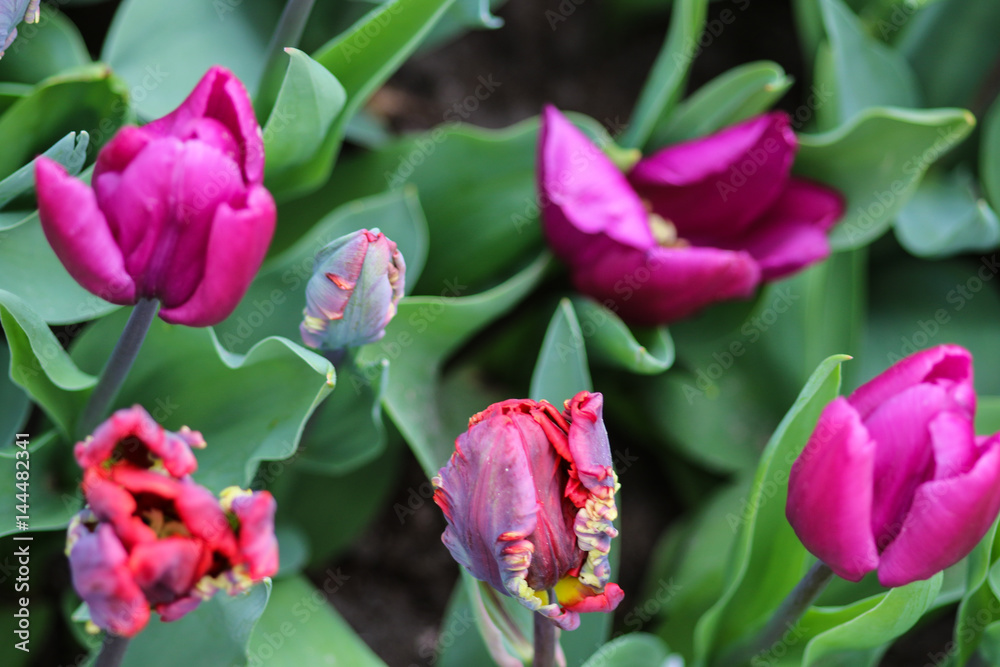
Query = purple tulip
x=11 y=13
x=699 y=222
x=177 y=211
x=894 y=478
x=356 y=285
x=529 y=496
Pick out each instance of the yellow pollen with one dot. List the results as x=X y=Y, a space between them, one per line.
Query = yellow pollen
x=665 y=232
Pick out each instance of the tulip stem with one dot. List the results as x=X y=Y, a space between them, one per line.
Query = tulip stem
x=288 y=33
x=112 y=651
x=785 y=617
x=119 y=363
x=545 y=642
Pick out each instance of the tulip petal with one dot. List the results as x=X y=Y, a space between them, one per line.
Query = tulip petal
x=954 y=441
x=830 y=493
x=131 y=434
x=80 y=235
x=236 y=248
x=583 y=193
x=948 y=365
x=665 y=284
x=166 y=570
x=712 y=188
x=201 y=514
x=792 y=233
x=258 y=545
x=948 y=517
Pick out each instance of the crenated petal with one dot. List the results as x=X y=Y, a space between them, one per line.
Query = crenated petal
x=166 y=570
x=257 y=543
x=131 y=434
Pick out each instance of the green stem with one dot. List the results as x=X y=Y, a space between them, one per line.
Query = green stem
x=112 y=651
x=118 y=366
x=784 y=618
x=288 y=33
x=545 y=642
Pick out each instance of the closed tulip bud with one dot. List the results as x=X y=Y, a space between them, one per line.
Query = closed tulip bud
x=894 y=478
x=356 y=285
x=529 y=496
x=178 y=211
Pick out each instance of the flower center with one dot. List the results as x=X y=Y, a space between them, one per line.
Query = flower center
x=665 y=232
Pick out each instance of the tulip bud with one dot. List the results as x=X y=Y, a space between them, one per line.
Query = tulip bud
x=11 y=13
x=894 y=477
x=150 y=538
x=356 y=285
x=178 y=211
x=529 y=500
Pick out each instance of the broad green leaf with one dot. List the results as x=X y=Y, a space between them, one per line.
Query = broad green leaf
x=979 y=597
x=865 y=72
x=70 y=152
x=946 y=217
x=14 y=404
x=184 y=377
x=44 y=49
x=665 y=84
x=273 y=305
x=758 y=580
x=309 y=101
x=52 y=503
x=90 y=99
x=457 y=646
x=989 y=155
x=876 y=161
x=143 y=46
x=362 y=59
x=300 y=627
x=39 y=364
x=561 y=370
x=464 y=15
x=610 y=341
x=738 y=94
x=631 y=650
x=30 y=269
x=424 y=333
x=12 y=92
x=218 y=632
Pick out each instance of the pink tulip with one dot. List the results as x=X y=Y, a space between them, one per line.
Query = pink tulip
x=894 y=477
x=529 y=499
x=699 y=222
x=177 y=211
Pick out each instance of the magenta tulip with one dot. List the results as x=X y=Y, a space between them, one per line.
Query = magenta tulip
x=696 y=223
x=150 y=537
x=177 y=211
x=893 y=478
x=529 y=496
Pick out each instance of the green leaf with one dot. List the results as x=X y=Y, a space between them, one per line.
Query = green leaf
x=665 y=84
x=989 y=155
x=876 y=161
x=977 y=598
x=988 y=414
x=143 y=47
x=184 y=377
x=758 y=580
x=14 y=404
x=52 y=502
x=30 y=270
x=632 y=650
x=946 y=217
x=309 y=101
x=218 y=632
x=90 y=99
x=561 y=370
x=610 y=341
x=70 y=152
x=299 y=627
x=44 y=49
x=865 y=72
x=39 y=364
x=738 y=94
x=362 y=59
x=424 y=333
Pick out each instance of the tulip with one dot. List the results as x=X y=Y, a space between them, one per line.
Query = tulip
x=11 y=13
x=529 y=500
x=893 y=478
x=353 y=293
x=699 y=222
x=177 y=211
x=150 y=538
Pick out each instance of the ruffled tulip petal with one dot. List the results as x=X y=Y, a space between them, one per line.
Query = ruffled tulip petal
x=178 y=609
x=665 y=284
x=80 y=235
x=583 y=192
x=237 y=245
x=949 y=365
x=830 y=493
x=792 y=234
x=101 y=576
x=582 y=599
x=947 y=519
x=200 y=512
x=133 y=435
x=713 y=187
x=166 y=570
x=258 y=545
